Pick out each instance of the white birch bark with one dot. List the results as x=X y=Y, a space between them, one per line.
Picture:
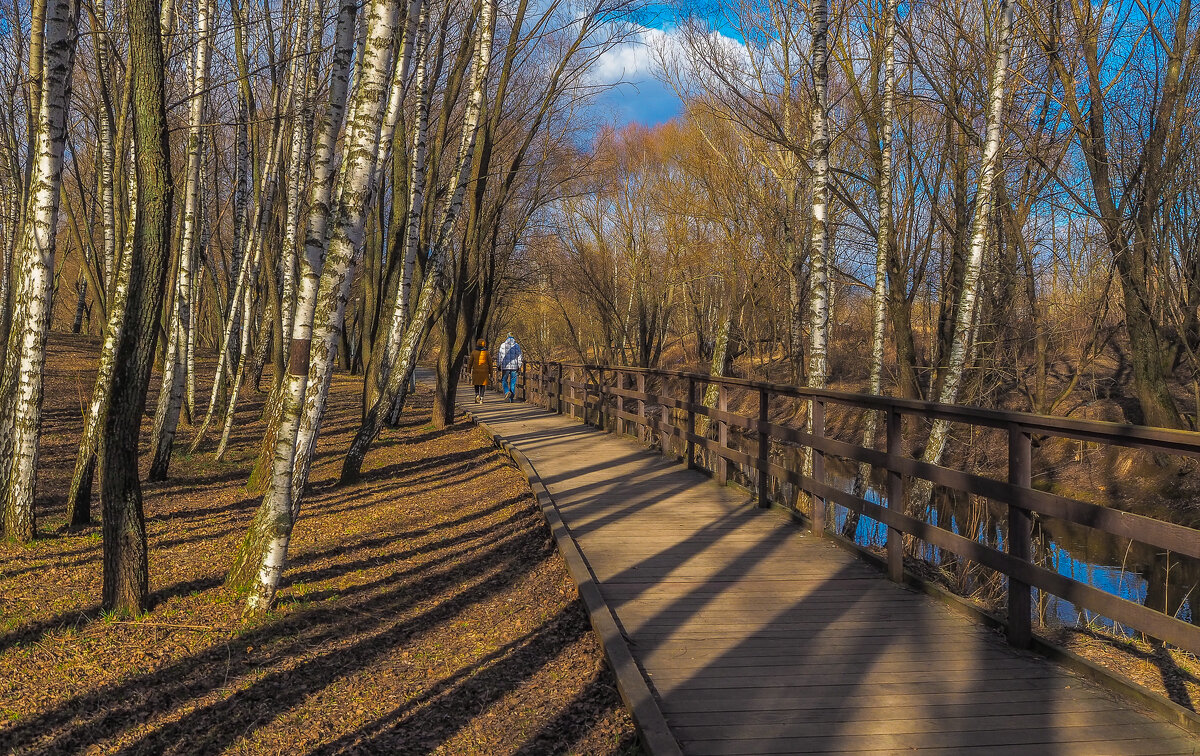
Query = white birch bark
x=818 y=320
x=174 y=376
x=335 y=286
x=36 y=254
x=416 y=208
x=883 y=236
x=79 y=497
x=818 y=293
x=247 y=281
x=108 y=159
x=964 y=329
x=300 y=140
x=432 y=286
x=273 y=525
x=190 y=354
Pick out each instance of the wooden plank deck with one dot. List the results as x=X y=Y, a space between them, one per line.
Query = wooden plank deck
x=757 y=637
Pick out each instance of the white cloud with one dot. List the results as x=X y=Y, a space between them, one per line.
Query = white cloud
x=634 y=70
x=635 y=59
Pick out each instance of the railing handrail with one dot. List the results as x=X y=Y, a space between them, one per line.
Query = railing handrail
x=550 y=382
x=1148 y=437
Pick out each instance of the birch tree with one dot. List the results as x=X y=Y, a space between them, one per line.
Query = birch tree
x=964 y=326
x=27 y=352
x=883 y=237
x=176 y=364
x=263 y=554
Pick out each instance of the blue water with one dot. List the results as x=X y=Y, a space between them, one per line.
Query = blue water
x=1114 y=579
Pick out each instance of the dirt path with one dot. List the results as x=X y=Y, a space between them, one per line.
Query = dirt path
x=424 y=610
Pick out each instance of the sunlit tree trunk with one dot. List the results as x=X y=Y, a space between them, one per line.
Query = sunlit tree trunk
x=260 y=559
x=126 y=564
x=398 y=378
x=883 y=241
x=416 y=208
x=818 y=283
x=79 y=510
x=174 y=376
x=36 y=256
x=960 y=347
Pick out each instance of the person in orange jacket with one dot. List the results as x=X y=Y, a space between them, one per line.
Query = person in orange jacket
x=481 y=368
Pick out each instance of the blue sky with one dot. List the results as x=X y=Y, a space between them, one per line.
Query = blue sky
x=637 y=94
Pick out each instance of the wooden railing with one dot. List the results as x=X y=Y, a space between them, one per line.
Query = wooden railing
x=616 y=398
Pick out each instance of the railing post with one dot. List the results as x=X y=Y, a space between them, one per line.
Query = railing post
x=1020 y=535
x=764 y=445
x=576 y=410
x=524 y=384
x=722 y=464
x=619 y=425
x=601 y=409
x=664 y=420
x=691 y=423
x=895 y=496
x=641 y=410
x=818 y=466
x=558 y=398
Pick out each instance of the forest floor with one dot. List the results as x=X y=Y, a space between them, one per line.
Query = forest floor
x=424 y=609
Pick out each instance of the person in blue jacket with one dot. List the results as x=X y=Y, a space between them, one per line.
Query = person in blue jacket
x=510 y=362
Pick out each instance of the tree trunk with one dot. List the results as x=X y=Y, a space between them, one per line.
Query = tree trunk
x=883 y=241
x=126 y=566
x=174 y=377
x=79 y=506
x=262 y=557
x=398 y=379
x=818 y=292
x=36 y=253
x=964 y=327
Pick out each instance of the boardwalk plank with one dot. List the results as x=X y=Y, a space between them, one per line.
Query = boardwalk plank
x=759 y=638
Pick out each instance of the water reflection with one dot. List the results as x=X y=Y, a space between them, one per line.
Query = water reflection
x=1164 y=581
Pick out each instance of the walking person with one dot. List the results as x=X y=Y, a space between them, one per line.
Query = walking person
x=481 y=368
x=511 y=361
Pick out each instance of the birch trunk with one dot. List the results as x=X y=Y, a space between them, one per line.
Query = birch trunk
x=272 y=169
x=818 y=293
x=883 y=241
x=106 y=138
x=79 y=509
x=265 y=550
x=960 y=345
x=416 y=208
x=36 y=254
x=321 y=176
x=398 y=379
x=243 y=180
x=301 y=138
x=242 y=299
x=189 y=366
x=717 y=368
x=239 y=374
x=174 y=376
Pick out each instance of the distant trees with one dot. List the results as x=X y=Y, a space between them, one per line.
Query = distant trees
x=993 y=181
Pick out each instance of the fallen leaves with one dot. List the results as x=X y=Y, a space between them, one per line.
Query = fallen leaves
x=420 y=612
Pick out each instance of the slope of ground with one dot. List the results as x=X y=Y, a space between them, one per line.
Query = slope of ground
x=424 y=609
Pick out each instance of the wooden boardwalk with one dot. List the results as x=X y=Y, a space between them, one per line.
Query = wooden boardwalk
x=756 y=637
